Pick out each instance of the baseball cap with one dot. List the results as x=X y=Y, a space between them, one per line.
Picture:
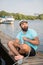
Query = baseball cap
x=22 y=21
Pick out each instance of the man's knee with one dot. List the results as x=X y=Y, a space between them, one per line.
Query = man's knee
x=10 y=43
x=13 y=43
x=26 y=48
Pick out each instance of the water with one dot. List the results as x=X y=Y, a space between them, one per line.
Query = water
x=13 y=29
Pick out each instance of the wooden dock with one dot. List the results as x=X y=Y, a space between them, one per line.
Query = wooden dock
x=36 y=60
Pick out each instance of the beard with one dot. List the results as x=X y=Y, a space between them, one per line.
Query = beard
x=24 y=29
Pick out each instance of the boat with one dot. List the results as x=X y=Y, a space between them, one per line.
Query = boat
x=2 y=20
x=7 y=20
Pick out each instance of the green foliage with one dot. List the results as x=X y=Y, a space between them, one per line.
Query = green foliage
x=18 y=16
x=40 y=16
x=3 y=13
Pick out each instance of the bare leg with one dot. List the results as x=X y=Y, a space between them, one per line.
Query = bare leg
x=25 y=49
x=13 y=49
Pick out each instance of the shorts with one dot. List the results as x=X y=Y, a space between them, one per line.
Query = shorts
x=32 y=53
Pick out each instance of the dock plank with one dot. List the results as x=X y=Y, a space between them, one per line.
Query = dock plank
x=36 y=60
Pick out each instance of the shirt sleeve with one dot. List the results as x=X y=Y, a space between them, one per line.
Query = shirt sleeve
x=34 y=33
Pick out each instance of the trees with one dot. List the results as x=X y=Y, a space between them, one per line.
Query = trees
x=40 y=16
x=3 y=13
x=18 y=16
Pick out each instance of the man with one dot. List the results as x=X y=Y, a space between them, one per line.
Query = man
x=26 y=42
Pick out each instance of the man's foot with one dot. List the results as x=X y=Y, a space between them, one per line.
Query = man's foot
x=19 y=57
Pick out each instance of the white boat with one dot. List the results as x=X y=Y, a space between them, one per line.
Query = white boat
x=7 y=20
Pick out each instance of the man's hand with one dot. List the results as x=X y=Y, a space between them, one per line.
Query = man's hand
x=25 y=39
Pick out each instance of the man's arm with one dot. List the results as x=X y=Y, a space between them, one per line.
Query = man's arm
x=34 y=41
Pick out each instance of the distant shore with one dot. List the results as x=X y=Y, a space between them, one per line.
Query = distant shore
x=18 y=16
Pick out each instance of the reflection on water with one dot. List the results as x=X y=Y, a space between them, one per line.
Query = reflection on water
x=13 y=29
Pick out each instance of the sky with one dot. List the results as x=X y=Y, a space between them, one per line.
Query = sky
x=27 y=7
